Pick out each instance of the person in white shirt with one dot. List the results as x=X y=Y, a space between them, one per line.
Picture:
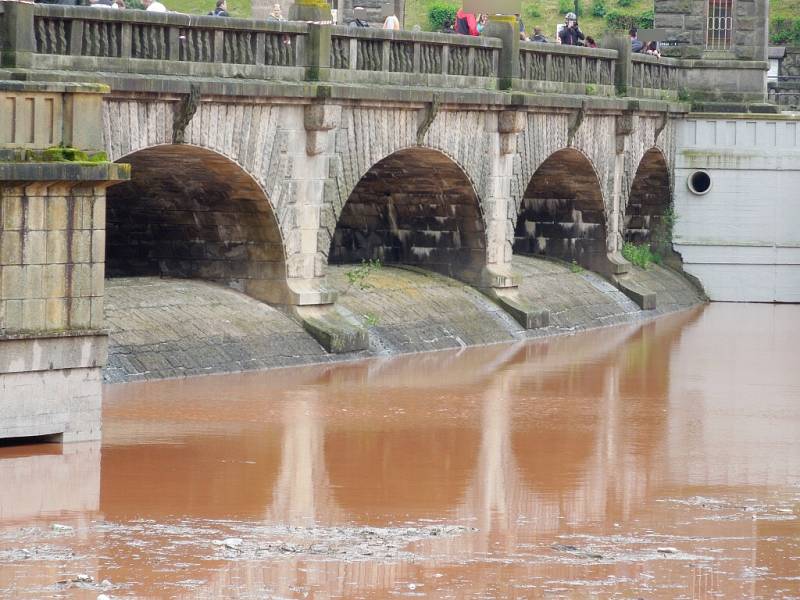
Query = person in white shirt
x=154 y=6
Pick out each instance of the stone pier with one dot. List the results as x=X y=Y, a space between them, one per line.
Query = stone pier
x=52 y=261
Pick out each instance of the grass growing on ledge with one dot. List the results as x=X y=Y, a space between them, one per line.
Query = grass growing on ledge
x=359 y=275
x=640 y=255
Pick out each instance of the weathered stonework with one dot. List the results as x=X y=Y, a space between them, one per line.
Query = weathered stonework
x=52 y=264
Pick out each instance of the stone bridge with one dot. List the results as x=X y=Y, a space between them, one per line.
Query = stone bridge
x=262 y=153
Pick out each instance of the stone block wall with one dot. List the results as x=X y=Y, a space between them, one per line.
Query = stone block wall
x=685 y=21
x=414 y=207
x=52 y=255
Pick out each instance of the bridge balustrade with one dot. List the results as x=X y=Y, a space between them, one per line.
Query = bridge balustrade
x=49 y=37
x=654 y=77
x=78 y=38
x=571 y=69
x=413 y=58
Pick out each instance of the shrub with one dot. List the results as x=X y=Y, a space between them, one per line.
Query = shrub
x=565 y=6
x=618 y=21
x=532 y=12
x=599 y=8
x=440 y=14
x=640 y=255
x=785 y=31
x=625 y=3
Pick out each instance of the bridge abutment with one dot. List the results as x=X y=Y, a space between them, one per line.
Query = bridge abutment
x=52 y=260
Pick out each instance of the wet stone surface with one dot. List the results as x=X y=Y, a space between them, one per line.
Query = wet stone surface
x=164 y=328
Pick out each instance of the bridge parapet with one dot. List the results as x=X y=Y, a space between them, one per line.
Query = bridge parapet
x=84 y=39
x=413 y=58
x=571 y=69
x=654 y=77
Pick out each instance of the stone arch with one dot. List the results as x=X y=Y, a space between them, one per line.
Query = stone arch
x=649 y=200
x=189 y=212
x=416 y=206
x=562 y=213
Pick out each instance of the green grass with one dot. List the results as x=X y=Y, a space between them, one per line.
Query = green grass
x=236 y=8
x=417 y=12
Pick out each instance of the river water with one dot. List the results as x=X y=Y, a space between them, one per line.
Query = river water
x=659 y=460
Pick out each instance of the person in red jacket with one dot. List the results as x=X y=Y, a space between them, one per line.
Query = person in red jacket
x=466 y=24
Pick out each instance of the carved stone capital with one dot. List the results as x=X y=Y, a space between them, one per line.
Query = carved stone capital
x=512 y=121
x=322 y=117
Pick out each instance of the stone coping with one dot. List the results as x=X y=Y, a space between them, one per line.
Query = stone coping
x=655 y=60
x=127 y=83
x=551 y=48
x=726 y=65
x=416 y=36
x=51 y=335
x=64 y=171
x=745 y=116
x=89 y=13
x=53 y=87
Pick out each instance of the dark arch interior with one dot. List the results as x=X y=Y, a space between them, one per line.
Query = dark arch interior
x=562 y=213
x=649 y=202
x=191 y=213
x=415 y=207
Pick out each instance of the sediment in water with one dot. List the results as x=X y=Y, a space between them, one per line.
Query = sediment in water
x=161 y=328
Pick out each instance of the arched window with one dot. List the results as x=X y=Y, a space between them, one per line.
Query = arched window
x=719 y=33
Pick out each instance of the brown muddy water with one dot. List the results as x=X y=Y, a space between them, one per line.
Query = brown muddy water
x=659 y=460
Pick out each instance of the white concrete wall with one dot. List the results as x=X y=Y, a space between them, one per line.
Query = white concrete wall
x=741 y=239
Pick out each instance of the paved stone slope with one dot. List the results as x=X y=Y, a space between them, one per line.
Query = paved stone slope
x=174 y=328
x=163 y=328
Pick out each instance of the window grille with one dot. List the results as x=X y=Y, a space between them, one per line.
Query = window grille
x=720 y=25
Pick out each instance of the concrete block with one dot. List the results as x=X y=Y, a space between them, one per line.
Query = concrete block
x=55 y=281
x=56 y=213
x=81 y=246
x=11 y=247
x=97 y=316
x=13 y=282
x=99 y=213
x=98 y=279
x=80 y=314
x=98 y=246
x=335 y=330
x=81 y=280
x=12 y=213
x=33 y=314
x=56 y=314
x=56 y=247
x=34 y=213
x=645 y=298
x=33 y=248
x=13 y=315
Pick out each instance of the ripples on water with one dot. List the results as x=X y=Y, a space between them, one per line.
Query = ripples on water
x=652 y=461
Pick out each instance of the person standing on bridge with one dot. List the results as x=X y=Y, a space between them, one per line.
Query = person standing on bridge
x=466 y=24
x=221 y=9
x=571 y=35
